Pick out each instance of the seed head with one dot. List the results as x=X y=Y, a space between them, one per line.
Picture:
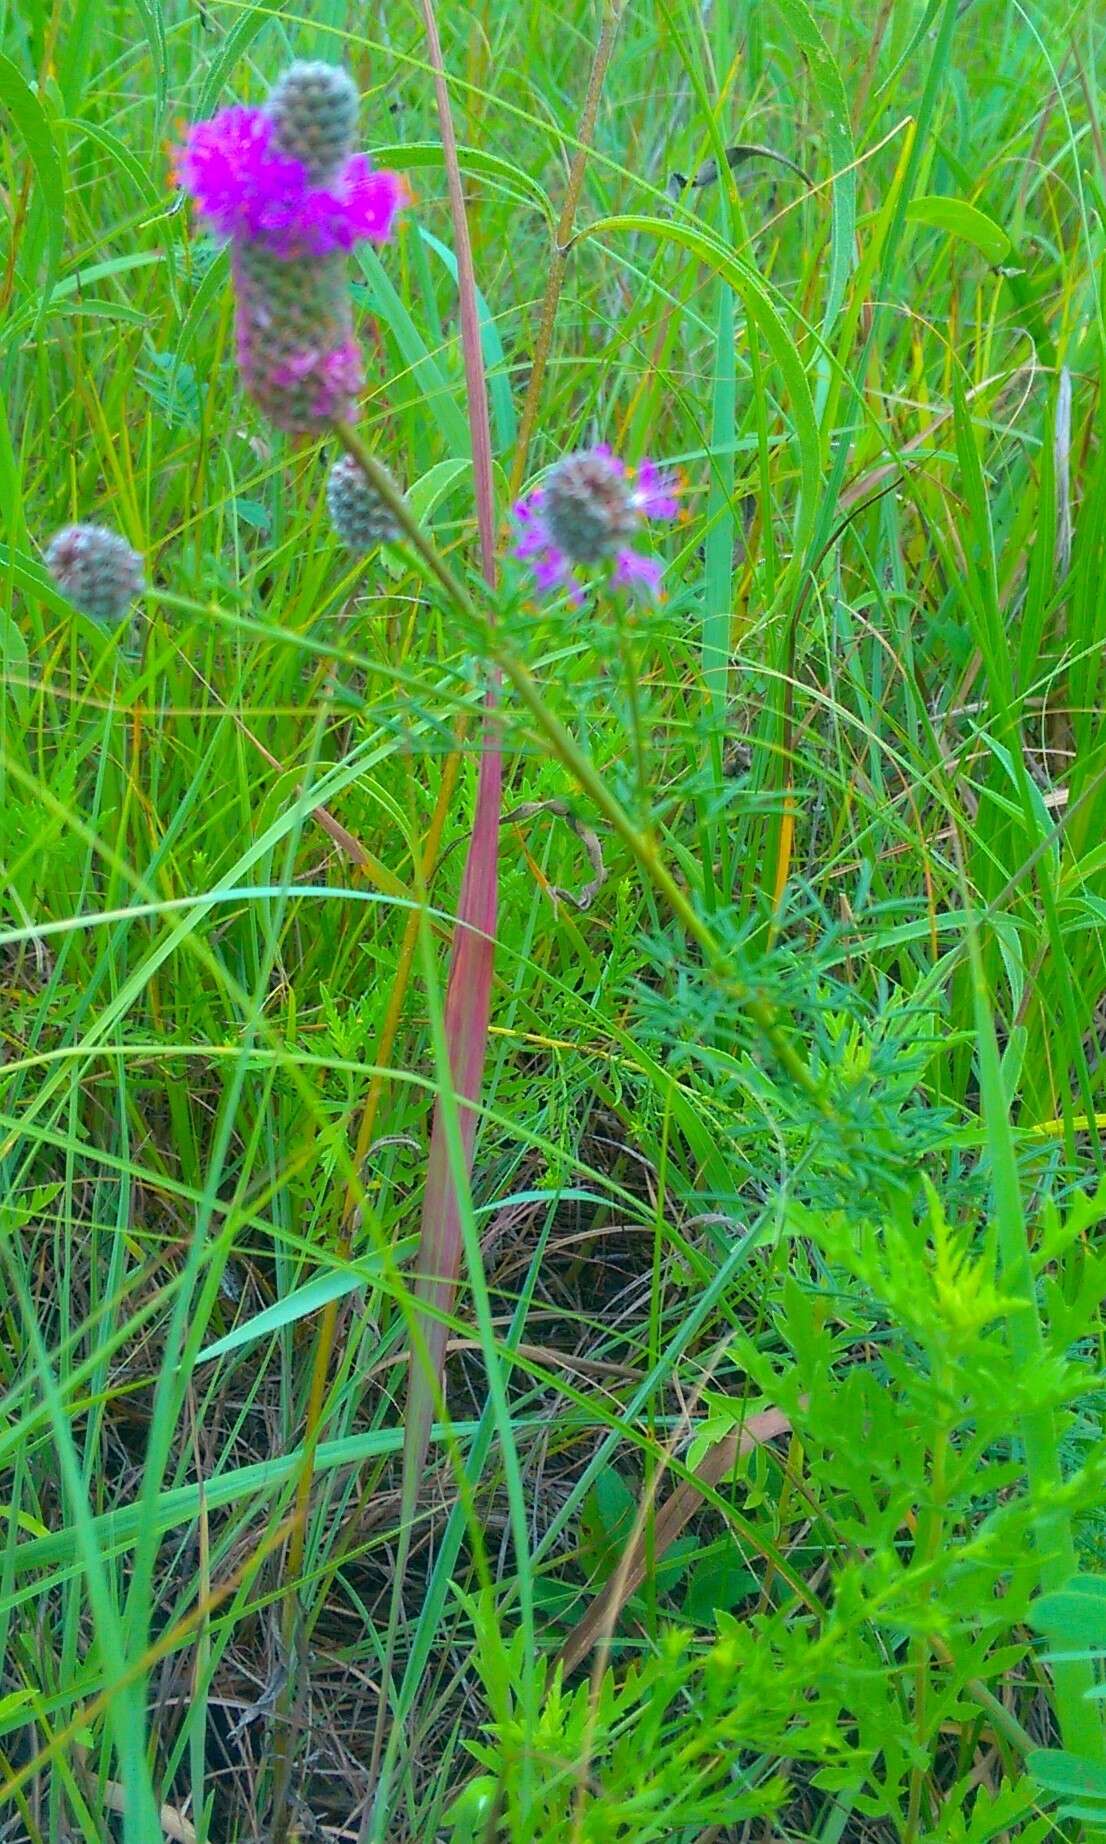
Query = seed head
x=357 y=512
x=314 y=108
x=96 y=569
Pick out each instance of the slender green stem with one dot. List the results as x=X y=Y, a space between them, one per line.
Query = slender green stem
x=612 y=14
x=635 y=725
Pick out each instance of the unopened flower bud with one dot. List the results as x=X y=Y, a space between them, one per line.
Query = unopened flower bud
x=96 y=569
x=357 y=512
x=314 y=109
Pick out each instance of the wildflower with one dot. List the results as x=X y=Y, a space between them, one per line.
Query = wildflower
x=297 y=354
x=284 y=184
x=314 y=108
x=248 y=185
x=96 y=569
x=590 y=508
x=241 y=182
x=357 y=512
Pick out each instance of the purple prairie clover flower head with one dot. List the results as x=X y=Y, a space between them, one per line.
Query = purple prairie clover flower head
x=97 y=570
x=286 y=175
x=357 y=513
x=247 y=187
x=285 y=185
x=587 y=513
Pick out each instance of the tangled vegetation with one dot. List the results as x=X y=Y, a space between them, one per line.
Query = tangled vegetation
x=644 y=1384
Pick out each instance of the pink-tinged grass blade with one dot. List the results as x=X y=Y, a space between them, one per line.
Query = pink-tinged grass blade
x=468 y=992
x=467 y=1011
x=476 y=384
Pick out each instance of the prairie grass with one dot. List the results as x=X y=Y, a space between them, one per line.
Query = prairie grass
x=763 y=1492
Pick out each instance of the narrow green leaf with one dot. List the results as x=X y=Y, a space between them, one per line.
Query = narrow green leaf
x=237 y=42
x=11 y=484
x=719 y=547
x=830 y=91
x=14 y=663
x=709 y=249
x=121 y=156
x=413 y=156
x=495 y=359
x=153 y=22
x=1068 y=1775
x=426 y=373
x=427 y=493
x=302 y=1301
x=961 y=220
x=177 y=1505
x=1076 y=1613
x=25 y=108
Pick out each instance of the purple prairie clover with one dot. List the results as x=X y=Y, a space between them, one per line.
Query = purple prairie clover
x=96 y=569
x=297 y=353
x=284 y=184
x=587 y=513
x=246 y=185
x=357 y=513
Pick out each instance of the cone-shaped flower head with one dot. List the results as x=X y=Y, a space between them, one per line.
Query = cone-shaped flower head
x=313 y=109
x=357 y=512
x=590 y=508
x=283 y=183
x=96 y=569
x=297 y=353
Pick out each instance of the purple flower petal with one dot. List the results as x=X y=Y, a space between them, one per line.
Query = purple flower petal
x=527 y=509
x=633 y=571
x=551 y=568
x=654 y=492
x=245 y=187
x=242 y=185
x=606 y=453
x=371 y=198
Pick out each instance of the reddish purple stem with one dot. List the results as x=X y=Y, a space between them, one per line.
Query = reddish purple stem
x=467 y=1012
x=468 y=993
